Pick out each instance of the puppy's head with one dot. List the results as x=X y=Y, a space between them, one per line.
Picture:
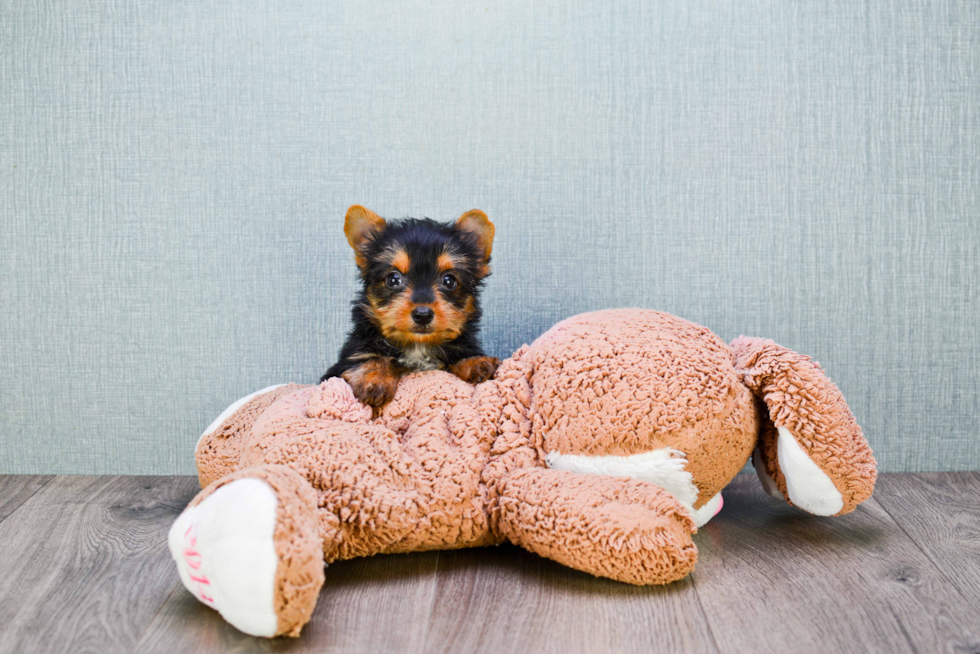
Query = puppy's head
x=421 y=278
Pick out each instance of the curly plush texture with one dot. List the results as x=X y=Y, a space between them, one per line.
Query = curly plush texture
x=625 y=381
x=800 y=397
x=219 y=451
x=614 y=527
x=449 y=465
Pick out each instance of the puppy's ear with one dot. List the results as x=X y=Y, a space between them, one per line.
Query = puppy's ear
x=360 y=226
x=475 y=223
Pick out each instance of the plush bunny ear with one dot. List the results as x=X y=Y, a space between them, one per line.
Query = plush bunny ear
x=811 y=450
x=360 y=226
x=476 y=224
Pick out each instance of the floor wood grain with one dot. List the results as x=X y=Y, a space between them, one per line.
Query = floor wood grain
x=941 y=513
x=90 y=567
x=17 y=489
x=770 y=576
x=504 y=600
x=380 y=604
x=87 y=570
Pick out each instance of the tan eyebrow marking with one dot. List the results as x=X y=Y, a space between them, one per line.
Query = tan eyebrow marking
x=401 y=261
x=445 y=262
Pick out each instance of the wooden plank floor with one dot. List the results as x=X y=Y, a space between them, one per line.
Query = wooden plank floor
x=86 y=569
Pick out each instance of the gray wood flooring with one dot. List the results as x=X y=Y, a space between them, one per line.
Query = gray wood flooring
x=85 y=569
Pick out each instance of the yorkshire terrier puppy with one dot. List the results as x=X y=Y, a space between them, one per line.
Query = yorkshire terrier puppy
x=419 y=308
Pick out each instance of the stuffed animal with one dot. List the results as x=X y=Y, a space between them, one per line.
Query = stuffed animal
x=603 y=446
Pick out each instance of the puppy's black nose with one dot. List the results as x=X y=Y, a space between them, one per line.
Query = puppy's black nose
x=423 y=315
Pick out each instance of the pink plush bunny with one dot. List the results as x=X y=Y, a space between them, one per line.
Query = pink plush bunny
x=603 y=445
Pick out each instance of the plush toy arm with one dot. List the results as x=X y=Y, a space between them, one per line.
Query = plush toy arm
x=624 y=529
x=220 y=446
x=811 y=450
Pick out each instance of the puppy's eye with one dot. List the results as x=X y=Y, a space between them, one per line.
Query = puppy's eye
x=449 y=282
x=393 y=280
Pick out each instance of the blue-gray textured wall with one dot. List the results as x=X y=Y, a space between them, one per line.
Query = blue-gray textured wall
x=175 y=175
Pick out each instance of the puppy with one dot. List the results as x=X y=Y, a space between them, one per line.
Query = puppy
x=419 y=307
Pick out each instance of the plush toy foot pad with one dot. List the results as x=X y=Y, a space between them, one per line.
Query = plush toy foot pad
x=226 y=556
x=710 y=509
x=247 y=546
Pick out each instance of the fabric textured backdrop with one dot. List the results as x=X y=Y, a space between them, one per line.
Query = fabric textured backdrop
x=175 y=175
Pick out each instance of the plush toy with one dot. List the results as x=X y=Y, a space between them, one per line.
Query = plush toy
x=603 y=446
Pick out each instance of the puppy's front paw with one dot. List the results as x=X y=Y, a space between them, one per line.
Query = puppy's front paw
x=475 y=370
x=374 y=382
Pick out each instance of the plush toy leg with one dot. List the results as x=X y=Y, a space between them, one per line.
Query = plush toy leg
x=248 y=546
x=812 y=453
x=624 y=529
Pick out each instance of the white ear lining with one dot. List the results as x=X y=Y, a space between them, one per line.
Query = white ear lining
x=807 y=485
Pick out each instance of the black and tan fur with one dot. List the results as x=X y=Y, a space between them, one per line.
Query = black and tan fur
x=419 y=306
